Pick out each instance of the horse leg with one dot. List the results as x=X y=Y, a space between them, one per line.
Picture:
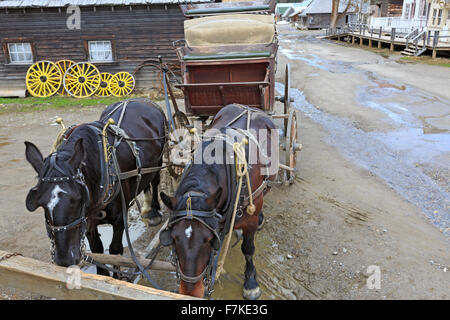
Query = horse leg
x=95 y=243
x=116 y=246
x=251 y=287
x=152 y=208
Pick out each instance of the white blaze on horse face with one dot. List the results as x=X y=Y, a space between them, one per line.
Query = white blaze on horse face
x=54 y=199
x=188 y=232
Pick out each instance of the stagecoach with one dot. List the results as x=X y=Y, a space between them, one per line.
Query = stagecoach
x=229 y=55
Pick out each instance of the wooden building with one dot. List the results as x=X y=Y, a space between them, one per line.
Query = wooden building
x=318 y=14
x=115 y=35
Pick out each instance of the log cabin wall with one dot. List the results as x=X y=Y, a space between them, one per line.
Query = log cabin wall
x=136 y=33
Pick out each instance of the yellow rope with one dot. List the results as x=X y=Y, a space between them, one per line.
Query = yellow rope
x=241 y=170
x=105 y=138
x=60 y=136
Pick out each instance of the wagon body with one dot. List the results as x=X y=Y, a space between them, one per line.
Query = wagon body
x=228 y=59
x=225 y=75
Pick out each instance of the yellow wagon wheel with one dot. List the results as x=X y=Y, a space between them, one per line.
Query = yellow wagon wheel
x=122 y=84
x=43 y=79
x=82 y=80
x=104 y=89
x=63 y=65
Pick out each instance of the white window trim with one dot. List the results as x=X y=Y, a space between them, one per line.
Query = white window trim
x=27 y=62
x=100 y=61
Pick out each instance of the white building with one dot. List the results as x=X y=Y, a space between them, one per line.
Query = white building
x=414 y=15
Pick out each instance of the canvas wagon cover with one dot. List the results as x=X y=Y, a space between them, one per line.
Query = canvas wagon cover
x=232 y=29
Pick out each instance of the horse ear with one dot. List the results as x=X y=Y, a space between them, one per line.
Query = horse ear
x=31 y=200
x=78 y=154
x=168 y=201
x=34 y=156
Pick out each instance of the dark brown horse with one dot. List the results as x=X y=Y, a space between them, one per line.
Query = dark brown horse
x=79 y=190
x=203 y=203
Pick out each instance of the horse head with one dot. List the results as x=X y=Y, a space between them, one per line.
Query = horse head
x=192 y=229
x=63 y=194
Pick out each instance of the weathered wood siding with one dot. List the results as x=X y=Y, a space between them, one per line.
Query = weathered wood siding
x=137 y=33
x=323 y=20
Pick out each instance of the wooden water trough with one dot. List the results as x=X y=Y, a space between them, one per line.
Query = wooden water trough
x=51 y=281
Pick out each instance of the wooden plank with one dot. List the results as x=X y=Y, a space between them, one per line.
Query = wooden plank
x=118 y=260
x=151 y=246
x=51 y=281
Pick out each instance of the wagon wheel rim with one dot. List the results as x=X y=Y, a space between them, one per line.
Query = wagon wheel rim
x=43 y=79
x=291 y=143
x=122 y=84
x=63 y=65
x=287 y=93
x=104 y=89
x=181 y=120
x=82 y=80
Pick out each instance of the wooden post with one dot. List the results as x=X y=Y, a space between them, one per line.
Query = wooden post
x=392 y=39
x=360 y=41
x=353 y=39
x=435 y=43
x=370 y=43
x=52 y=281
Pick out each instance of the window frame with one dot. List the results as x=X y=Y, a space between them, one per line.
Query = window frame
x=111 y=39
x=6 y=50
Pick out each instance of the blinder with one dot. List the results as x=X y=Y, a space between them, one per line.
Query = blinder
x=165 y=237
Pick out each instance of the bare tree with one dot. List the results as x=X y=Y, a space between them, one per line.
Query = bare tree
x=335 y=15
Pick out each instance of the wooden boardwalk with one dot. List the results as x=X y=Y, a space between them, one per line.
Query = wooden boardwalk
x=393 y=41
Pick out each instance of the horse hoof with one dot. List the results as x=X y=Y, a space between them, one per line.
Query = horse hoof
x=154 y=221
x=252 y=294
x=261 y=221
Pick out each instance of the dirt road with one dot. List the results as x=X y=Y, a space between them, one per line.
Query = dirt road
x=372 y=188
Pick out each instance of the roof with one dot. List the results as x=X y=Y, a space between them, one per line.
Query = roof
x=84 y=3
x=293 y=11
x=324 y=6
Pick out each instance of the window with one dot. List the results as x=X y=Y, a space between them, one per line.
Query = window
x=439 y=17
x=100 y=51
x=434 y=16
x=20 y=53
x=407 y=10
x=423 y=8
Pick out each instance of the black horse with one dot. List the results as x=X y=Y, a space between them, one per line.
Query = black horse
x=200 y=209
x=78 y=192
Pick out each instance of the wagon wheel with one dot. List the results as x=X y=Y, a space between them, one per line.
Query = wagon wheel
x=43 y=79
x=181 y=122
x=122 y=84
x=63 y=65
x=104 y=89
x=287 y=94
x=82 y=80
x=291 y=145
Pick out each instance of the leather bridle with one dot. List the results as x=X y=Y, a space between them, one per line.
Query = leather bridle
x=52 y=229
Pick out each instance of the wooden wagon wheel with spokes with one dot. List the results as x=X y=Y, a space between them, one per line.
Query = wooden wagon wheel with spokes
x=122 y=84
x=43 y=79
x=104 y=89
x=82 y=80
x=63 y=65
